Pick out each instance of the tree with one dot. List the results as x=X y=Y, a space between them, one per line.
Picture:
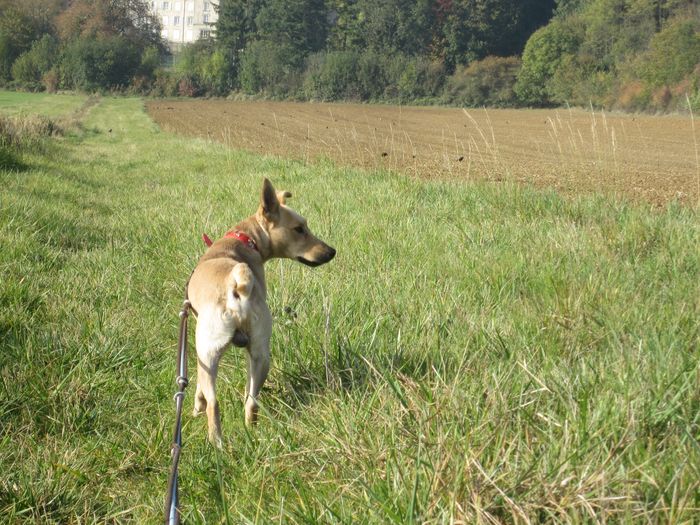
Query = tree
x=297 y=25
x=31 y=66
x=235 y=28
x=18 y=30
x=130 y=19
x=474 y=29
x=543 y=54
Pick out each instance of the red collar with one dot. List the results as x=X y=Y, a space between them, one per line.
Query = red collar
x=250 y=243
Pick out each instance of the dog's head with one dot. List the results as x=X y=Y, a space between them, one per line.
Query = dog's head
x=289 y=234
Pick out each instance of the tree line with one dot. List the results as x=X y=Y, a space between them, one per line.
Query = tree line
x=629 y=54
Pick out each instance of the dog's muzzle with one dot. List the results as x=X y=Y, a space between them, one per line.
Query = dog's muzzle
x=325 y=257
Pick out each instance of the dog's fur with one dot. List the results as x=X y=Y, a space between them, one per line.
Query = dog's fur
x=227 y=290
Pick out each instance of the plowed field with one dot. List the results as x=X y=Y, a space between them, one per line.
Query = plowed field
x=642 y=157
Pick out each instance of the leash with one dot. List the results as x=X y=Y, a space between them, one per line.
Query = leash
x=172 y=511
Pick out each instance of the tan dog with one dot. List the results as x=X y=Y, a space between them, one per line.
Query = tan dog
x=227 y=290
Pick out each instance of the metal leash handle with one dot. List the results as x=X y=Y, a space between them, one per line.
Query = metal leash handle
x=172 y=512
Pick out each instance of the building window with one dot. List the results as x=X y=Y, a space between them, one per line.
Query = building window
x=190 y=20
x=204 y=34
x=205 y=19
x=165 y=21
x=176 y=34
x=164 y=34
x=177 y=6
x=190 y=6
x=165 y=5
x=189 y=35
x=206 y=7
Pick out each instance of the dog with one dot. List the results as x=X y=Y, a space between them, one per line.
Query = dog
x=228 y=291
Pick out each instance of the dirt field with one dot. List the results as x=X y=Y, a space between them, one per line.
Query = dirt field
x=646 y=158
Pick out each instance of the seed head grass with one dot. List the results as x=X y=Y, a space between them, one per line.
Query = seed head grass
x=474 y=353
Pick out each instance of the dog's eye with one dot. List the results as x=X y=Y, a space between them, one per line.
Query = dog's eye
x=299 y=229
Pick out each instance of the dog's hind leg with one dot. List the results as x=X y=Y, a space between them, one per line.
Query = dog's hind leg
x=258 y=366
x=200 y=402
x=211 y=340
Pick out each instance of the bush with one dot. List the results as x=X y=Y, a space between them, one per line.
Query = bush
x=92 y=64
x=420 y=78
x=269 y=68
x=542 y=56
x=372 y=76
x=332 y=76
x=164 y=84
x=487 y=82
x=673 y=54
x=32 y=65
x=50 y=80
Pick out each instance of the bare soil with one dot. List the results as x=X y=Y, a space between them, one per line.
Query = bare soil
x=648 y=158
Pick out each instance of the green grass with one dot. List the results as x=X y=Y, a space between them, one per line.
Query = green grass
x=493 y=352
x=18 y=103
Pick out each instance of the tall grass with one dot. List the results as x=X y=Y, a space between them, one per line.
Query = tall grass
x=475 y=353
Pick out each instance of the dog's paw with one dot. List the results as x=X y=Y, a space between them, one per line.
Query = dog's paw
x=200 y=406
x=216 y=440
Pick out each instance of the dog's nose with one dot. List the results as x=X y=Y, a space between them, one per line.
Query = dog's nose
x=331 y=253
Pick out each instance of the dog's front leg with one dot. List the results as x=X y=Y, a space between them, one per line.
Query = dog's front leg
x=258 y=366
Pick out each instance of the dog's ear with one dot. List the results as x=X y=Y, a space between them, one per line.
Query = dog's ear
x=282 y=196
x=269 y=204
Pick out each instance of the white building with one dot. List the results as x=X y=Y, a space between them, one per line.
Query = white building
x=184 y=21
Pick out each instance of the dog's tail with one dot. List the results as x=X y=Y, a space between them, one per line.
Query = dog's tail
x=239 y=287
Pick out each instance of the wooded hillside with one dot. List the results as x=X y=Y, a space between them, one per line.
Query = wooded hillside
x=626 y=54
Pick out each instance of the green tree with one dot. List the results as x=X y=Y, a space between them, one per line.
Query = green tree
x=18 y=30
x=543 y=54
x=235 y=28
x=673 y=53
x=31 y=66
x=474 y=29
x=299 y=26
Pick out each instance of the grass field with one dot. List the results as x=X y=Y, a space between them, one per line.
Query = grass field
x=17 y=103
x=476 y=353
x=645 y=158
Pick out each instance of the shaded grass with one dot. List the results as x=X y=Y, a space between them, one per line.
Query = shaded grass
x=475 y=352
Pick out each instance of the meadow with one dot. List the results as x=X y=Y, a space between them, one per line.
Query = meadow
x=477 y=352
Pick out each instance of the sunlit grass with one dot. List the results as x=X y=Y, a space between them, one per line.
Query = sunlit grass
x=474 y=352
x=19 y=103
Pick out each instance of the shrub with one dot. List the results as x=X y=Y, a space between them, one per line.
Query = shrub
x=187 y=86
x=487 y=82
x=673 y=54
x=164 y=84
x=31 y=66
x=372 y=76
x=542 y=56
x=332 y=76
x=92 y=64
x=420 y=78
x=50 y=80
x=269 y=68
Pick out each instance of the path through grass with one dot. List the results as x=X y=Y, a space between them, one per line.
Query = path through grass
x=474 y=351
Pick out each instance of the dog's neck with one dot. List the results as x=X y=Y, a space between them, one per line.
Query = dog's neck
x=253 y=228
